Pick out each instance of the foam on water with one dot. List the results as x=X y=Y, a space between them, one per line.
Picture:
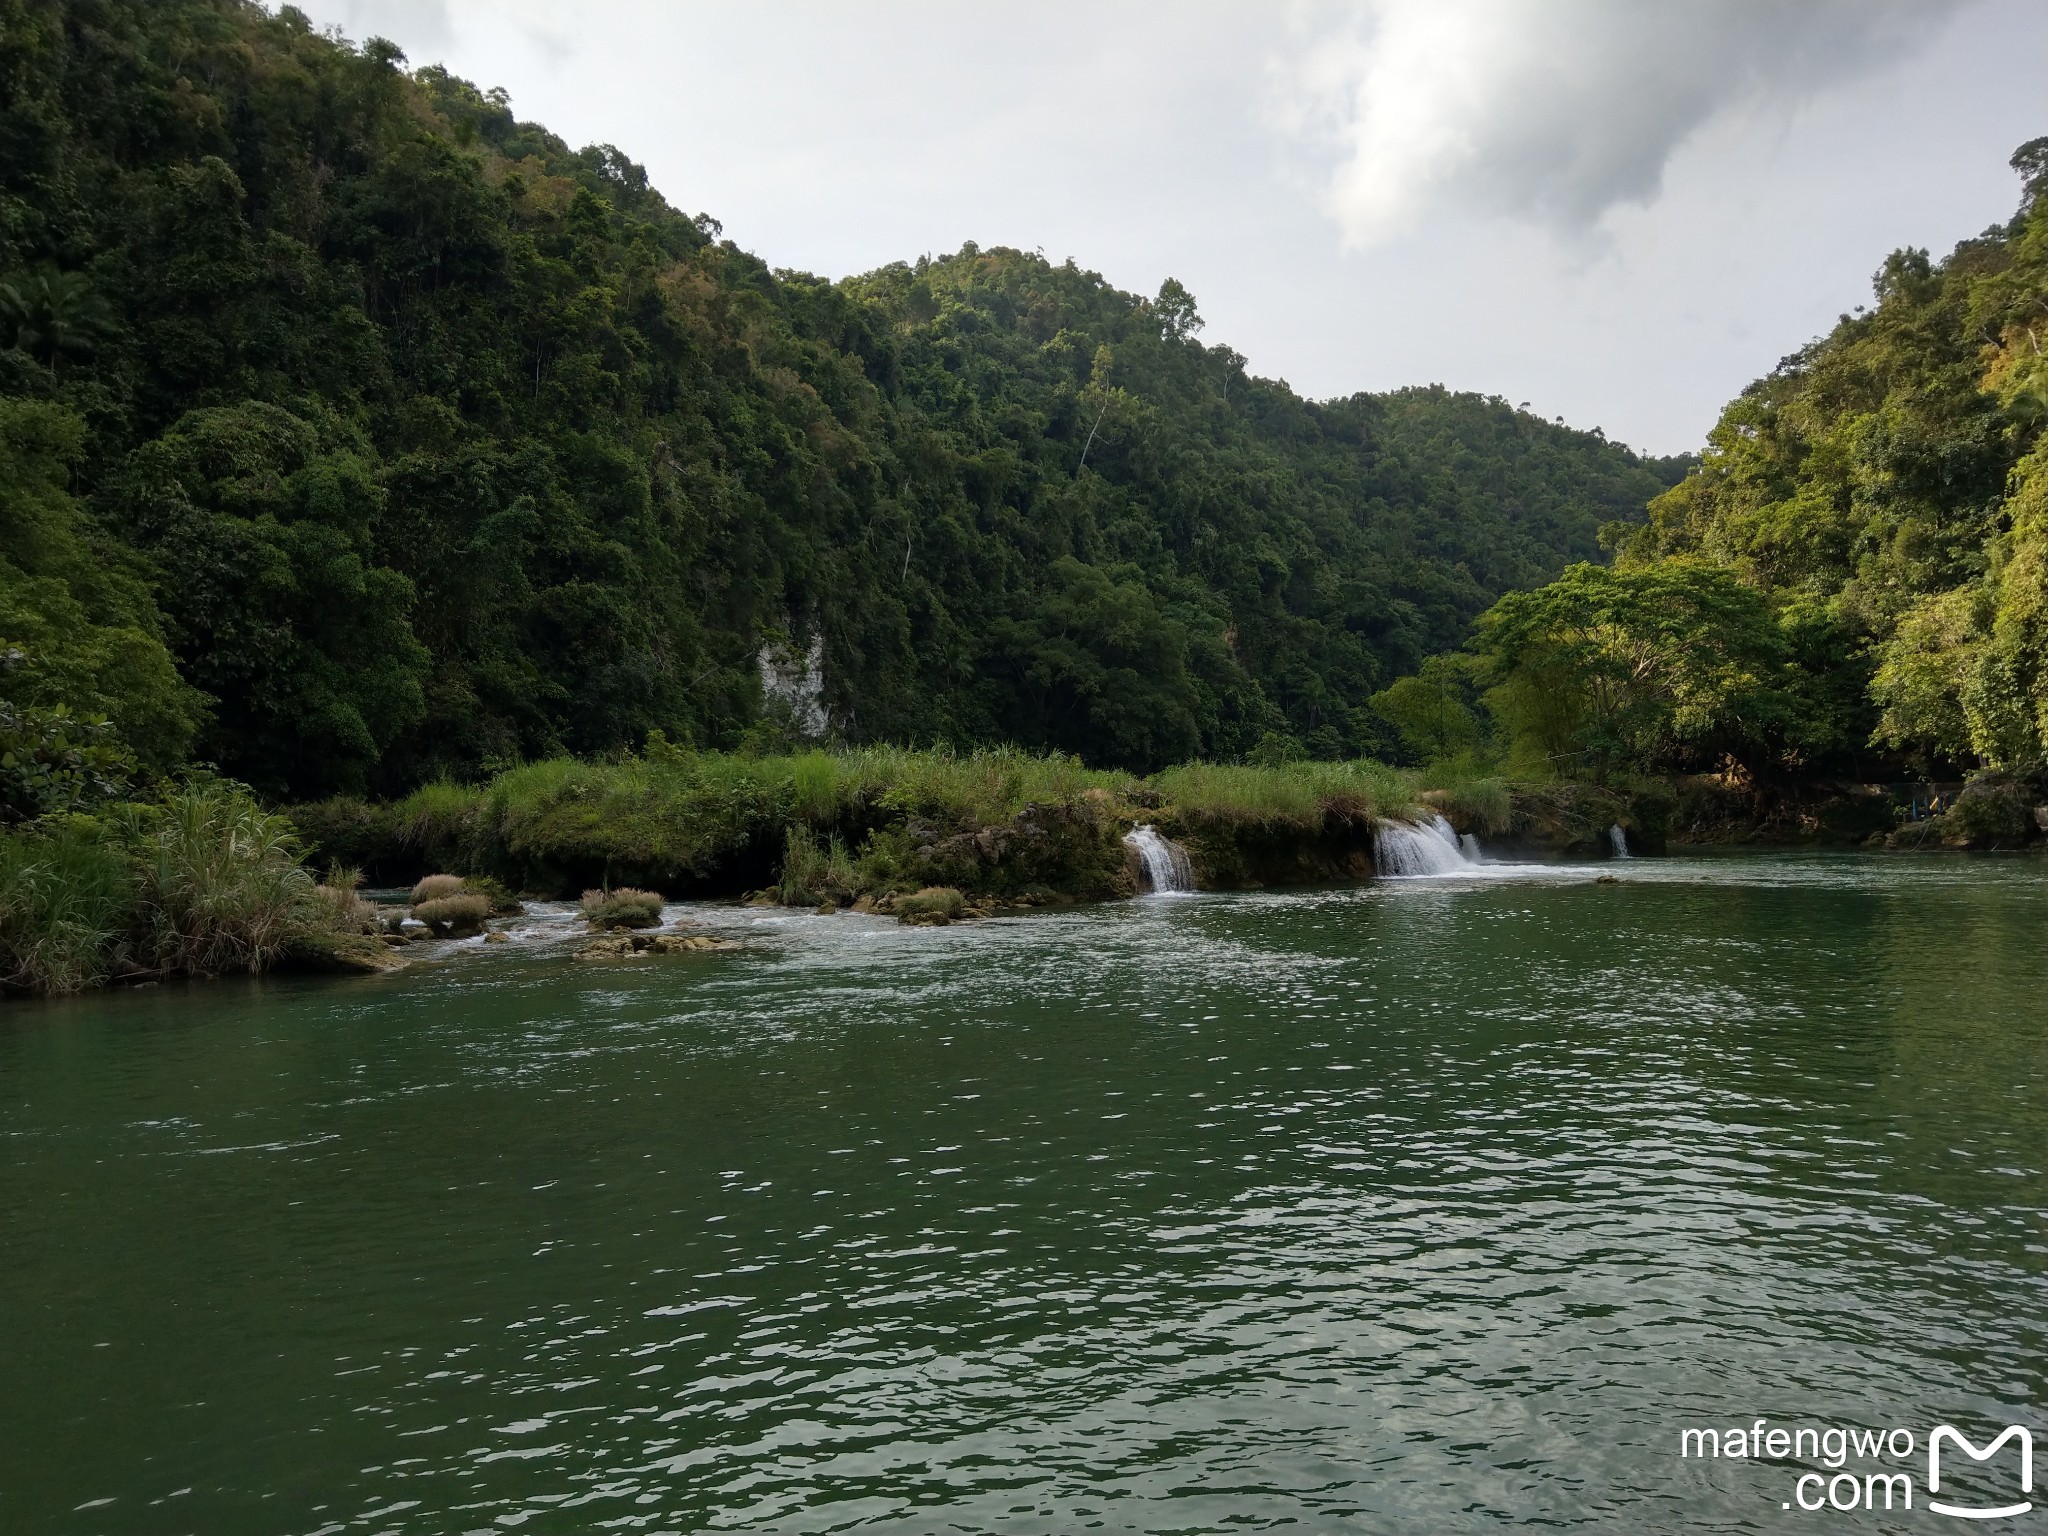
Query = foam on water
x=1432 y=847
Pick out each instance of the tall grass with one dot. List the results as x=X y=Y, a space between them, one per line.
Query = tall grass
x=989 y=784
x=222 y=887
x=436 y=815
x=66 y=901
x=816 y=869
x=1297 y=794
x=201 y=883
x=1474 y=799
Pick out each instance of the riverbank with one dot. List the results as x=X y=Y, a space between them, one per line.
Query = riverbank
x=1001 y=827
x=874 y=824
x=207 y=883
x=203 y=882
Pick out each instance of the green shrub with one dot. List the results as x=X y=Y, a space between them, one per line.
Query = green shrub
x=503 y=903
x=624 y=907
x=52 y=761
x=660 y=821
x=443 y=822
x=1991 y=812
x=349 y=829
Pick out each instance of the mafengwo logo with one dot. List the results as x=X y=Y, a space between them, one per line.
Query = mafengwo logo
x=1843 y=1487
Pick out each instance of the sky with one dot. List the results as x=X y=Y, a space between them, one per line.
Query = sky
x=1618 y=212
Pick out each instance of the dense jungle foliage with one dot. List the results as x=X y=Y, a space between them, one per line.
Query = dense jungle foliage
x=1853 y=581
x=354 y=434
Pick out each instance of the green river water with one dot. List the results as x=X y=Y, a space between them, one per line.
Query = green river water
x=1427 y=1206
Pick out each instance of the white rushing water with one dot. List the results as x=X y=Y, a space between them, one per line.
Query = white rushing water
x=1618 y=841
x=1430 y=847
x=1164 y=864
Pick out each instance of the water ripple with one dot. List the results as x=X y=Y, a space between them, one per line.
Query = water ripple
x=1432 y=1206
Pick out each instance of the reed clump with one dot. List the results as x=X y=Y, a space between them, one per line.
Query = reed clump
x=67 y=904
x=203 y=882
x=338 y=905
x=817 y=870
x=436 y=887
x=624 y=907
x=222 y=886
x=449 y=908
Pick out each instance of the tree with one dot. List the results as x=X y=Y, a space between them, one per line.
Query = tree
x=1673 y=666
x=1429 y=712
x=53 y=315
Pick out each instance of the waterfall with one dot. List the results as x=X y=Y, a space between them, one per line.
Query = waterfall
x=1164 y=864
x=1429 y=847
x=1618 y=841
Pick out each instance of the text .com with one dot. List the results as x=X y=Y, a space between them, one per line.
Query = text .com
x=1843 y=1487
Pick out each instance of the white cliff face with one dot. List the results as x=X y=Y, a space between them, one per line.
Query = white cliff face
x=795 y=679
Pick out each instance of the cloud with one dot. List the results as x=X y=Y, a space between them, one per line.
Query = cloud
x=1554 y=111
x=421 y=27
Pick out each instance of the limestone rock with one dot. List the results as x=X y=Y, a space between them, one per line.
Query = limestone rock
x=354 y=954
x=627 y=946
x=689 y=943
x=611 y=947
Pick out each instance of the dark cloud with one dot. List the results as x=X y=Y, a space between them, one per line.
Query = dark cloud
x=1556 y=110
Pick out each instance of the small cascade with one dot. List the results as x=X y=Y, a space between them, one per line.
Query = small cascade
x=1430 y=847
x=1618 y=841
x=1164 y=864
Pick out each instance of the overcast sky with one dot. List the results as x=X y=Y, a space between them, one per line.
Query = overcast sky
x=1618 y=211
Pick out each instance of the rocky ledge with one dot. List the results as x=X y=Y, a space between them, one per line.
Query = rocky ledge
x=628 y=946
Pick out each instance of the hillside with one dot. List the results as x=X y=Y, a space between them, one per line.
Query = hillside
x=356 y=433
x=1854 y=580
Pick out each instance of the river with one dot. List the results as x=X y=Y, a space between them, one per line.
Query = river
x=1424 y=1206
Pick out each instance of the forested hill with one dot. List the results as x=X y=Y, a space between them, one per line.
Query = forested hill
x=1853 y=582
x=353 y=432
